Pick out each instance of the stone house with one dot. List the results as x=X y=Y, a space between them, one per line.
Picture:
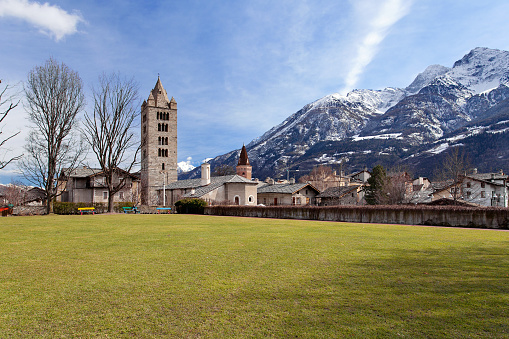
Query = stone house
x=88 y=185
x=297 y=194
x=485 y=189
x=344 y=195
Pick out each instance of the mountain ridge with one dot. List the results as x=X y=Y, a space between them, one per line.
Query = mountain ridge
x=392 y=125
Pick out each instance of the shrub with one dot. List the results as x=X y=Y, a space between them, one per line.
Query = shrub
x=190 y=206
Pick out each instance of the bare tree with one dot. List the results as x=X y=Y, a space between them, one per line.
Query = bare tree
x=223 y=170
x=109 y=129
x=454 y=167
x=8 y=100
x=55 y=97
x=318 y=177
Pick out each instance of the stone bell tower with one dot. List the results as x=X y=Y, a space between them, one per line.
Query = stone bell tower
x=243 y=167
x=158 y=144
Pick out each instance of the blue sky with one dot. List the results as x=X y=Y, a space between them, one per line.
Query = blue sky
x=237 y=68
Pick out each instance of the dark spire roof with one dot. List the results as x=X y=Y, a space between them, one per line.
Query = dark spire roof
x=243 y=160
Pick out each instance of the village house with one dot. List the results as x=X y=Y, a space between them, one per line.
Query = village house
x=344 y=195
x=237 y=189
x=485 y=189
x=287 y=193
x=85 y=184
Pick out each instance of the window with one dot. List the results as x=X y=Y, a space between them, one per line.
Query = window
x=251 y=198
x=469 y=194
x=483 y=194
x=162 y=166
x=144 y=118
x=237 y=200
x=121 y=195
x=468 y=184
x=144 y=129
x=105 y=195
x=483 y=185
x=157 y=116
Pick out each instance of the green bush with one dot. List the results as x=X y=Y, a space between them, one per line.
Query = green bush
x=190 y=206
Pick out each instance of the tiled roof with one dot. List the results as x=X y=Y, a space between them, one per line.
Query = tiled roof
x=336 y=192
x=488 y=176
x=82 y=172
x=283 y=188
x=215 y=182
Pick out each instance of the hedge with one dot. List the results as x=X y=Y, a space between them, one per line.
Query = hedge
x=191 y=206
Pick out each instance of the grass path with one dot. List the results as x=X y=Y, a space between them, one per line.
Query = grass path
x=218 y=277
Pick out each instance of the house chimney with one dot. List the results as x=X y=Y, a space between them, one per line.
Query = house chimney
x=271 y=181
x=205 y=174
x=474 y=171
x=501 y=172
x=292 y=181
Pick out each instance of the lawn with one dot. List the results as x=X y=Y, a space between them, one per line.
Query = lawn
x=184 y=276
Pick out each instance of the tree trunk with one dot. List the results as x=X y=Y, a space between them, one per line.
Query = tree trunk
x=110 y=202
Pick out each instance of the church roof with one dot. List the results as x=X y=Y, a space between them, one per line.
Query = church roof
x=284 y=188
x=243 y=159
x=215 y=182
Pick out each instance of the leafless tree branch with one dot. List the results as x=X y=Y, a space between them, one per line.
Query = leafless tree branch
x=108 y=129
x=54 y=95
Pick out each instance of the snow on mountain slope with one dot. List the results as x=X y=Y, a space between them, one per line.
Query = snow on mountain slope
x=440 y=102
x=184 y=166
x=482 y=69
x=425 y=78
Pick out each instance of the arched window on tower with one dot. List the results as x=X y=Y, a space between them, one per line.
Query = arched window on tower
x=166 y=128
x=159 y=152
x=166 y=153
x=158 y=127
x=162 y=167
x=159 y=140
x=167 y=116
x=157 y=115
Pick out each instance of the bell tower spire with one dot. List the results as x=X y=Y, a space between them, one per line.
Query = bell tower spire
x=243 y=168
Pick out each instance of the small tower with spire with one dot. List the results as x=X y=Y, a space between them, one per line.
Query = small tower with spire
x=158 y=144
x=243 y=167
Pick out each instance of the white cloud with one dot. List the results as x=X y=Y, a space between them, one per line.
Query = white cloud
x=376 y=19
x=50 y=19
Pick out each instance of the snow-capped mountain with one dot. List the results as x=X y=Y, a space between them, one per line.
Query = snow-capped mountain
x=184 y=166
x=392 y=125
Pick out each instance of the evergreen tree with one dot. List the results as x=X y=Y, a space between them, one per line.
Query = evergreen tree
x=376 y=184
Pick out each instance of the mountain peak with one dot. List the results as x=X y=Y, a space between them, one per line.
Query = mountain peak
x=425 y=78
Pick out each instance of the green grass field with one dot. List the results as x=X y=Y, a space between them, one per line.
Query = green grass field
x=145 y=276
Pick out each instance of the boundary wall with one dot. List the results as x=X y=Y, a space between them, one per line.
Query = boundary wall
x=456 y=216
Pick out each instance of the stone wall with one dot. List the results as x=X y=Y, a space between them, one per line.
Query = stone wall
x=409 y=215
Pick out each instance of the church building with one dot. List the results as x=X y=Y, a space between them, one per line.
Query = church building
x=235 y=189
x=158 y=144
